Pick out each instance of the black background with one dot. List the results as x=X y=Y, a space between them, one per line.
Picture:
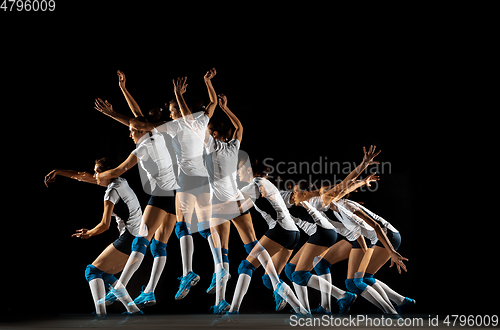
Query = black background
x=305 y=84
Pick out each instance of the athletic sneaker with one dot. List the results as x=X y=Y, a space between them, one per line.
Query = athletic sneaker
x=112 y=295
x=109 y=298
x=191 y=279
x=221 y=308
x=211 y=289
x=407 y=304
x=319 y=310
x=213 y=284
x=280 y=302
x=346 y=302
x=145 y=299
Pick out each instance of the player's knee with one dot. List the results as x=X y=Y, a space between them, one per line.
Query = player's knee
x=182 y=229
x=301 y=277
x=92 y=272
x=246 y=267
x=158 y=249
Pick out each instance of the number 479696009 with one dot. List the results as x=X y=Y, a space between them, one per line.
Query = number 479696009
x=28 y=5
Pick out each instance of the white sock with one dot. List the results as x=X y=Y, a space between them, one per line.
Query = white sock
x=98 y=292
x=240 y=291
x=318 y=283
x=374 y=297
x=133 y=263
x=382 y=293
x=286 y=293
x=158 y=265
x=393 y=295
x=301 y=292
x=187 y=248
x=326 y=298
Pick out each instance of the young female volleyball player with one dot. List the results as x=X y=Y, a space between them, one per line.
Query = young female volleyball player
x=121 y=202
x=185 y=128
x=159 y=214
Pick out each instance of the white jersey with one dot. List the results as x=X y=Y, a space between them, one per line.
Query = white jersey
x=127 y=210
x=155 y=159
x=348 y=224
x=261 y=186
x=187 y=137
x=222 y=164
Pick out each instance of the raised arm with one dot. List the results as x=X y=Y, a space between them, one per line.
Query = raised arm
x=101 y=226
x=396 y=258
x=179 y=89
x=328 y=196
x=238 y=131
x=211 y=93
x=106 y=108
x=130 y=162
x=80 y=176
x=136 y=110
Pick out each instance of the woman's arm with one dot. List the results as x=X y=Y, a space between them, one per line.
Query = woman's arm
x=238 y=132
x=106 y=108
x=80 y=176
x=211 y=92
x=130 y=162
x=101 y=226
x=179 y=89
x=396 y=258
x=367 y=160
x=136 y=110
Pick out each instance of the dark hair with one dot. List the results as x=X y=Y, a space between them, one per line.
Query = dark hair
x=219 y=127
x=105 y=163
x=259 y=169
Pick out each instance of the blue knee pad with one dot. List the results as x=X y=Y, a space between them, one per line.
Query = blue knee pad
x=358 y=281
x=204 y=229
x=249 y=246
x=182 y=229
x=246 y=268
x=140 y=244
x=368 y=279
x=301 y=277
x=225 y=258
x=267 y=282
x=322 y=267
x=158 y=249
x=289 y=269
x=92 y=272
x=351 y=287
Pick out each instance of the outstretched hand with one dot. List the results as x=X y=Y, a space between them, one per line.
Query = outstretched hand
x=397 y=259
x=103 y=106
x=180 y=85
x=368 y=157
x=371 y=178
x=222 y=100
x=82 y=233
x=121 y=79
x=210 y=74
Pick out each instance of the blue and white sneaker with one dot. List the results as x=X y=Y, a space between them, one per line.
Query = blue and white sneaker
x=406 y=305
x=221 y=308
x=211 y=289
x=346 y=302
x=191 y=279
x=213 y=284
x=320 y=310
x=109 y=298
x=280 y=302
x=112 y=295
x=145 y=299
